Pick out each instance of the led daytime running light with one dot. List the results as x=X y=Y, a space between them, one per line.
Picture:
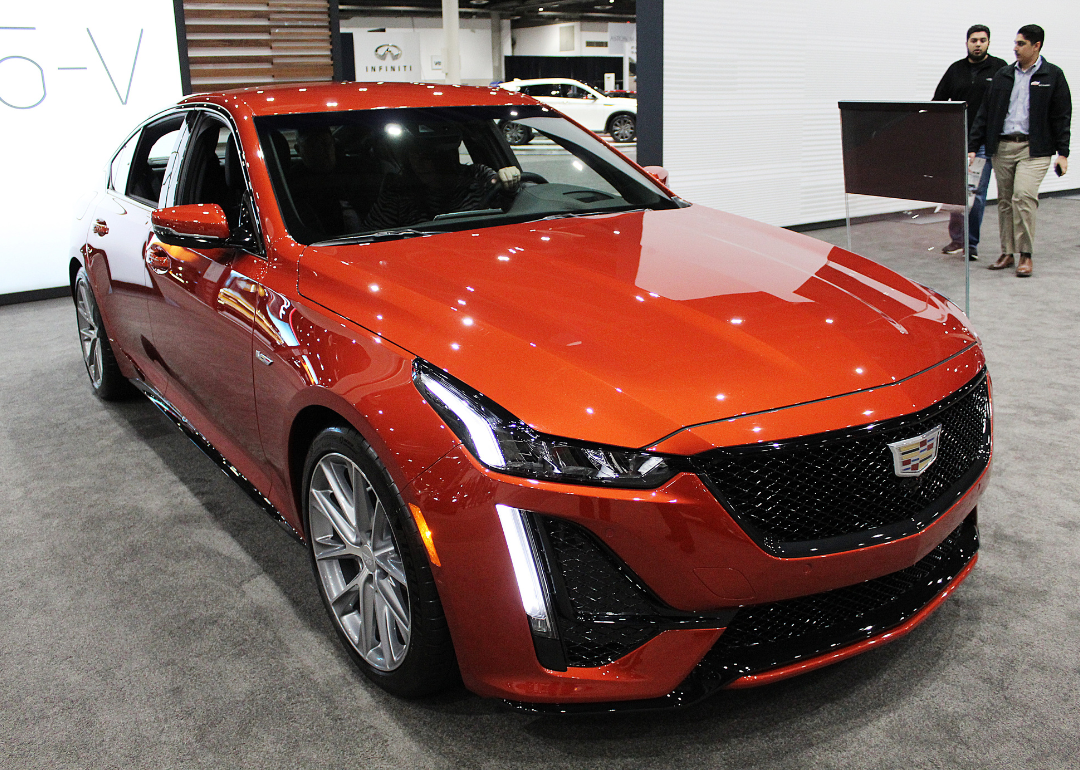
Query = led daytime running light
x=486 y=445
x=526 y=570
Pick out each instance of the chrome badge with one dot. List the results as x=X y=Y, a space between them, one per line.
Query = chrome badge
x=912 y=456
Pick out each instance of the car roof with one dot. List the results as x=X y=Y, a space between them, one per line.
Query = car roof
x=339 y=97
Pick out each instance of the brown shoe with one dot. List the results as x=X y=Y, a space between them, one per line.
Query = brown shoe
x=1023 y=270
x=1004 y=261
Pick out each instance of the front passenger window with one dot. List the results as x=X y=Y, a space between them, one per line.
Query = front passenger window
x=213 y=172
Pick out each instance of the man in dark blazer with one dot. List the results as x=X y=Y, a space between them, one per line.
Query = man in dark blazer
x=1024 y=120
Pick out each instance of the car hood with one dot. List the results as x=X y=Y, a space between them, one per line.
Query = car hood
x=625 y=328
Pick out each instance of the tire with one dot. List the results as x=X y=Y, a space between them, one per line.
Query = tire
x=623 y=127
x=106 y=379
x=516 y=133
x=371 y=568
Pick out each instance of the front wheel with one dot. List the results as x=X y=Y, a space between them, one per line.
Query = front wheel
x=106 y=378
x=623 y=128
x=375 y=583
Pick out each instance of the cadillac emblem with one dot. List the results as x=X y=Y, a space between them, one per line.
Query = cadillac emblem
x=912 y=456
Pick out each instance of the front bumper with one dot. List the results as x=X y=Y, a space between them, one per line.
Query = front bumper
x=662 y=595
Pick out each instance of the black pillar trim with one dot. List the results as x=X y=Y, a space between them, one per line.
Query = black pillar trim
x=181 y=46
x=650 y=82
x=335 y=41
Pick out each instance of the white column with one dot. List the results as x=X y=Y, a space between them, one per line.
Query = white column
x=497 y=71
x=451 y=46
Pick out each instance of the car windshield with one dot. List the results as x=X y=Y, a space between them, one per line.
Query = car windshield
x=394 y=173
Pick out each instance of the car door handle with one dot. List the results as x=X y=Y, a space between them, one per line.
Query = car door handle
x=100 y=228
x=157 y=259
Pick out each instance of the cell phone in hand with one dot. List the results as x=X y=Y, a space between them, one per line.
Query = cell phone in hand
x=1057 y=169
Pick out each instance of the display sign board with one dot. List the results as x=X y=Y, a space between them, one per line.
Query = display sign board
x=387 y=55
x=912 y=150
x=75 y=79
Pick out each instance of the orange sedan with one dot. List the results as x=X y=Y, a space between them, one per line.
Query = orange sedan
x=540 y=423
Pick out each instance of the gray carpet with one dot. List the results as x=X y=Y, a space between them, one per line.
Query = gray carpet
x=152 y=616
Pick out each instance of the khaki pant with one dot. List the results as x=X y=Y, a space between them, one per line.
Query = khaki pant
x=1018 y=177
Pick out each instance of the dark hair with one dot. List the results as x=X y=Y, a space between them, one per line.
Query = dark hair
x=1032 y=32
x=978 y=28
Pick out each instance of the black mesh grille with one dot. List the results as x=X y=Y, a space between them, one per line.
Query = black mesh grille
x=833 y=485
x=595 y=583
x=604 y=613
x=770 y=635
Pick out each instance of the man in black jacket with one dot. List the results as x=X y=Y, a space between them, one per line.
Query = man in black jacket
x=1023 y=121
x=967 y=80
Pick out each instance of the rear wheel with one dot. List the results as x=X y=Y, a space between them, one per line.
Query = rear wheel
x=623 y=128
x=375 y=582
x=106 y=378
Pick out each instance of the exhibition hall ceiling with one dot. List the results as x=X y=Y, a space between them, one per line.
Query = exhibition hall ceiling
x=522 y=11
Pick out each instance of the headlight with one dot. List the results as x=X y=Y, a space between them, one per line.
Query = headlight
x=503 y=443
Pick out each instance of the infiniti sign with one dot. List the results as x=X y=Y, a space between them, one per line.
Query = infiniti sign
x=388 y=50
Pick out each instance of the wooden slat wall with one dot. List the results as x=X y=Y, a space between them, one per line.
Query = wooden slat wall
x=233 y=43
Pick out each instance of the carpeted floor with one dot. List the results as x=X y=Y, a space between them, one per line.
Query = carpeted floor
x=152 y=617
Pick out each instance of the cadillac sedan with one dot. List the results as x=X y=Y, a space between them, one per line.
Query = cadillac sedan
x=541 y=424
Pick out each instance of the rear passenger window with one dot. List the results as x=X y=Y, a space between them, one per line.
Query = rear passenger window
x=156 y=143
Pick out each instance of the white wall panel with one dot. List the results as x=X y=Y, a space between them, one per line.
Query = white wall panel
x=751 y=124
x=75 y=78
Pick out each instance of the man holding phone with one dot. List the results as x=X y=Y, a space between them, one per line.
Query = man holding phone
x=1025 y=119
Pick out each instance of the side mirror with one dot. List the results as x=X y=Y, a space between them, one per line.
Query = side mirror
x=197 y=225
x=659 y=173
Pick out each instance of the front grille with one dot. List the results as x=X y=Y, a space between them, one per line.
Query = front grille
x=766 y=636
x=841 y=488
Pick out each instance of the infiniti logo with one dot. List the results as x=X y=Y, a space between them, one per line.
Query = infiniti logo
x=388 y=49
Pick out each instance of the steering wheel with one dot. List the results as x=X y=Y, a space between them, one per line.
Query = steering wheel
x=532 y=178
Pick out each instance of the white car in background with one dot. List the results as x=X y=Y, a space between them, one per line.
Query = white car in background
x=616 y=116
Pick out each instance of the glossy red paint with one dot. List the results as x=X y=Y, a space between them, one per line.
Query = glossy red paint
x=802 y=323
x=199 y=220
x=786 y=672
x=678 y=330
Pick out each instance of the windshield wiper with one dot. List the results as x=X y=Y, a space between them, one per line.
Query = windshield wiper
x=567 y=214
x=462 y=214
x=382 y=235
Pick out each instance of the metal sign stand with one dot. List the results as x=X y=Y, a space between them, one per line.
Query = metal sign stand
x=967 y=237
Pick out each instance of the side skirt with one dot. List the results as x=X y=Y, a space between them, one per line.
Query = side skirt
x=208 y=449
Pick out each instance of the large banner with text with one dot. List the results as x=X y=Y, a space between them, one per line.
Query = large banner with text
x=75 y=79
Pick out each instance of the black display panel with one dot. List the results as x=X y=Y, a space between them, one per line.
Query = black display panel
x=913 y=150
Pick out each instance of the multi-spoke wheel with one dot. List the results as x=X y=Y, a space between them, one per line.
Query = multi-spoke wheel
x=377 y=587
x=105 y=376
x=623 y=128
x=516 y=133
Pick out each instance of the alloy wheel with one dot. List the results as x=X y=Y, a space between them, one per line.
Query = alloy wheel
x=516 y=133
x=89 y=333
x=623 y=128
x=358 y=562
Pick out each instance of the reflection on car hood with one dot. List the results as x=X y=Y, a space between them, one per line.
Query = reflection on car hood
x=625 y=328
